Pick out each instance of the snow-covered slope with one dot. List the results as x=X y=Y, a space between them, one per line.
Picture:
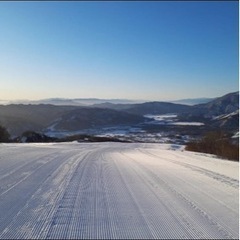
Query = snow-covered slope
x=116 y=191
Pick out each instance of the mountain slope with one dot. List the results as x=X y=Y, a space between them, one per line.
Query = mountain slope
x=227 y=121
x=94 y=117
x=221 y=113
x=157 y=108
x=20 y=118
x=222 y=105
x=146 y=108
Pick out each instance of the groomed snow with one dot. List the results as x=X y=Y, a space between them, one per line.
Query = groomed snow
x=116 y=191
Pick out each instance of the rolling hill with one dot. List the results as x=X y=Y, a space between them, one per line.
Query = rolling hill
x=18 y=118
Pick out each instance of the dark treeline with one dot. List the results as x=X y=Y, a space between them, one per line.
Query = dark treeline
x=4 y=135
x=217 y=143
x=35 y=137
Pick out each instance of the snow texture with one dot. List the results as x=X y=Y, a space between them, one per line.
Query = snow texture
x=116 y=191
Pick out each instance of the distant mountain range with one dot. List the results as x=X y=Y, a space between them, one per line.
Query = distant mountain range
x=65 y=115
x=70 y=102
x=92 y=101
x=193 y=101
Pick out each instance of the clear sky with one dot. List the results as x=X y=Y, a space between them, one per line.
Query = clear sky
x=134 y=50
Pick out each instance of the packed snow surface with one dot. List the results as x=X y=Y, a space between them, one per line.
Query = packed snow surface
x=116 y=191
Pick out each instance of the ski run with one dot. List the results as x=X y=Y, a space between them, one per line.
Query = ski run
x=116 y=191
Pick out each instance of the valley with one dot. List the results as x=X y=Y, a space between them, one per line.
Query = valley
x=135 y=122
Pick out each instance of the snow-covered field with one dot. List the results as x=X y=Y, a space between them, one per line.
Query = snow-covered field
x=170 y=119
x=116 y=190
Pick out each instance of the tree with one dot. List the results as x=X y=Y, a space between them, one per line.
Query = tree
x=216 y=143
x=4 y=135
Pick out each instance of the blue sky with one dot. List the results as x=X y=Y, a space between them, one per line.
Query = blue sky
x=134 y=50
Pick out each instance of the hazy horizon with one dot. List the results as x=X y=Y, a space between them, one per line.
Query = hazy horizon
x=154 y=51
x=120 y=99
